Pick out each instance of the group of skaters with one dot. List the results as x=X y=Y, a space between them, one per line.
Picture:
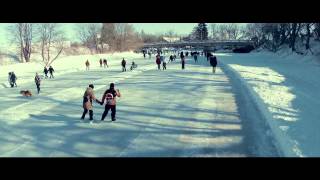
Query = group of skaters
x=46 y=71
x=108 y=98
x=160 y=59
x=12 y=78
x=124 y=64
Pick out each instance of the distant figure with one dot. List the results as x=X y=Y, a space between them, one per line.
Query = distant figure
x=149 y=55
x=51 y=70
x=100 y=62
x=171 y=58
x=182 y=62
x=87 y=65
x=105 y=63
x=13 y=79
x=9 y=79
x=133 y=65
x=195 y=57
x=45 y=70
x=123 y=64
x=181 y=55
x=164 y=64
x=110 y=97
x=158 y=61
x=37 y=80
x=187 y=53
x=213 y=63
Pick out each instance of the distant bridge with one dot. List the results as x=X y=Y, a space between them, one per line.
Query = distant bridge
x=209 y=44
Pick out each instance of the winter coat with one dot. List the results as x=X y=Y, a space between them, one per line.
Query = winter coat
x=51 y=70
x=13 y=78
x=123 y=63
x=158 y=60
x=87 y=63
x=88 y=96
x=213 y=61
x=114 y=94
x=45 y=70
x=37 y=79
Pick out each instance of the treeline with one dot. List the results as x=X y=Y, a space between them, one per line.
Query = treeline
x=271 y=36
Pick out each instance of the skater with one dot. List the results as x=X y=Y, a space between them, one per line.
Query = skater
x=158 y=61
x=123 y=64
x=171 y=58
x=45 y=70
x=13 y=78
x=88 y=96
x=181 y=55
x=213 y=63
x=182 y=61
x=87 y=65
x=51 y=70
x=164 y=64
x=100 y=62
x=9 y=79
x=37 y=80
x=149 y=55
x=110 y=97
x=195 y=57
x=105 y=63
x=133 y=65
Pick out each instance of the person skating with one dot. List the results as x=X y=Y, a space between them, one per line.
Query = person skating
x=182 y=62
x=149 y=55
x=171 y=58
x=164 y=64
x=9 y=79
x=37 y=80
x=51 y=70
x=100 y=61
x=45 y=70
x=133 y=65
x=195 y=57
x=13 y=78
x=213 y=63
x=123 y=64
x=105 y=63
x=88 y=97
x=181 y=55
x=87 y=65
x=158 y=61
x=110 y=97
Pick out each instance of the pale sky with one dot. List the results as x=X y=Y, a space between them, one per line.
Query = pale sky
x=153 y=28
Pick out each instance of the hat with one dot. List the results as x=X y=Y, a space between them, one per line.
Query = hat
x=91 y=85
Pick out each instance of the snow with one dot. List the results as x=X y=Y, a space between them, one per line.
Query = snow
x=285 y=88
x=176 y=112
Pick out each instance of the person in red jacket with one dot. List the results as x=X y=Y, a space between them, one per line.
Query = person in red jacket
x=110 y=97
x=158 y=61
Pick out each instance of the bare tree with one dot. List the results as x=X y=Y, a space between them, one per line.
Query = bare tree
x=89 y=36
x=51 y=41
x=22 y=34
x=108 y=35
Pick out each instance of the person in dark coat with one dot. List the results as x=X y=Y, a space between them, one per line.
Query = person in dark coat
x=45 y=70
x=88 y=97
x=100 y=62
x=37 y=80
x=183 y=61
x=110 y=97
x=105 y=63
x=51 y=70
x=13 y=79
x=123 y=64
x=213 y=63
x=9 y=79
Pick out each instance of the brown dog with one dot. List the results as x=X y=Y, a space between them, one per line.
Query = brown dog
x=26 y=93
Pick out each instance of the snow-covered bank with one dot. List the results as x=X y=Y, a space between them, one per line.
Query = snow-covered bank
x=286 y=88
